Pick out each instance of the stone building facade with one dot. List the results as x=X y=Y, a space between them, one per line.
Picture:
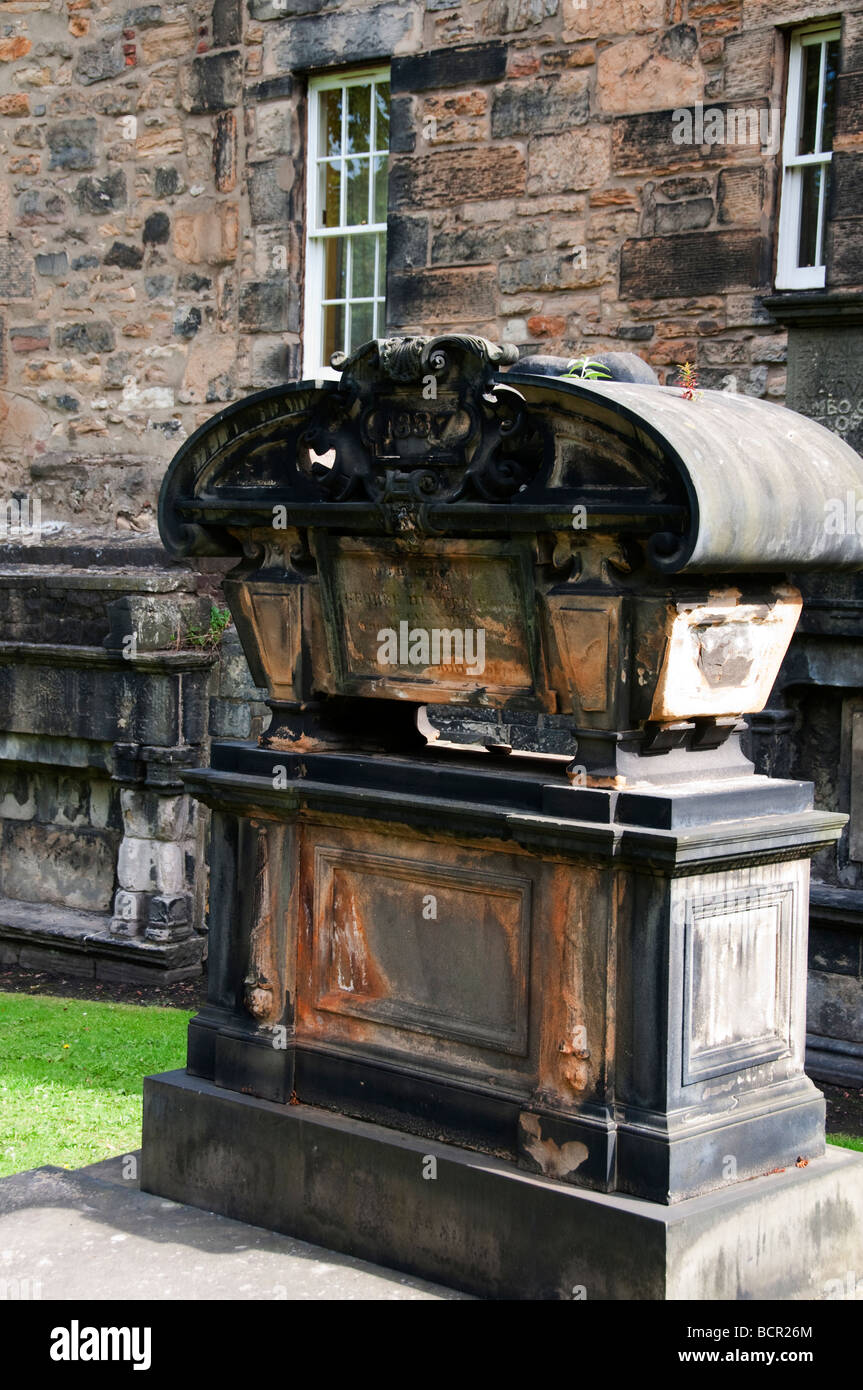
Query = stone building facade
x=152 y=202
x=564 y=175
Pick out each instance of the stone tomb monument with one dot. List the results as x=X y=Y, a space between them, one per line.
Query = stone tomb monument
x=527 y=1022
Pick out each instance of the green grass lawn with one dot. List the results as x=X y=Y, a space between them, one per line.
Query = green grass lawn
x=71 y=1076
x=846 y=1141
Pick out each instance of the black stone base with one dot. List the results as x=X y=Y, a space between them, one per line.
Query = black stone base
x=479 y=1224
x=664 y=1160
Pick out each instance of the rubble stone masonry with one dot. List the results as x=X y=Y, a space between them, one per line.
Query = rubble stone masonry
x=153 y=184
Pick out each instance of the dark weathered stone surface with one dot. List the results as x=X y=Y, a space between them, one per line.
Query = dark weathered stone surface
x=73 y=144
x=407 y=242
x=92 y=336
x=844 y=253
x=741 y=196
x=157 y=229
x=268 y=201
x=36 y=206
x=462 y=175
x=271 y=89
x=825 y=369
x=193 y=283
x=646 y=141
x=849 y=104
x=852 y=43
x=143 y=17
x=119 y=253
x=700 y=263
x=225 y=151
x=403 y=131
x=268 y=306
x=684 y=216
x=167 y=182
x=353 y=36
x=847 y=185
x=477 y=244
x=681 y=187
x=551 y=270
x=449 y=67
x=215 y=82
x=531 y=107
x=440 y=295
x=227 y=23
x=52 y=263
x=101 y=195
x=95 y=62
x=187 y=322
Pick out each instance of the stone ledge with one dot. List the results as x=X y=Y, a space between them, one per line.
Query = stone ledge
x=816 y=308
x=63 y=576
x=43 y=936
x=59 y=654
x=834 y=1060
x=836 y=907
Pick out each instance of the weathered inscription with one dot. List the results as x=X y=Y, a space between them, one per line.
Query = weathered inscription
x=411 y=622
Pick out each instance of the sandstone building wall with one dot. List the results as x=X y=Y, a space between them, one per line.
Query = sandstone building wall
x=152 y=202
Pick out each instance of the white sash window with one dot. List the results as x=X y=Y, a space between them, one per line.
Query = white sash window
x=345 y=287
x=807 y=156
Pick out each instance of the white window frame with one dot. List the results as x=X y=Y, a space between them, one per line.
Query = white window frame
x=316 y=236
x=790 y=275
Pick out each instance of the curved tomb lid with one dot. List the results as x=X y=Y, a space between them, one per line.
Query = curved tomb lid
x=767 y=488
x=721 y=482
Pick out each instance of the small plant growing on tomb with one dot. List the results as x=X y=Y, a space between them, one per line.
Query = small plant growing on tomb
x=587 y=368
x=210 y=637
x=688 y=380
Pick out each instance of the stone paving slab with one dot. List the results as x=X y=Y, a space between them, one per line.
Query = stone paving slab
x=92 y=1234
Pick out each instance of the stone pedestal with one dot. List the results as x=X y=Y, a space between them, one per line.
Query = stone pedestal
x=604 y=988
x=475 y=1223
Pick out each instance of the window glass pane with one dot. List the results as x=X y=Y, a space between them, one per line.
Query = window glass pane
x=334 y=331
x=335 y=268
x=829 y=118
x=382 y=116
x=826 y=173
x=809 y=92
x=380 y=319
x=359 y=119
x=363 y=272
x=362 y=324
x=331 y=122
x=357 y=174
x=381 y=177
x=329 y=189
x=808 y=251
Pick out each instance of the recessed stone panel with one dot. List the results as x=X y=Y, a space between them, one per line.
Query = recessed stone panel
x=405 y=943
x=408 y=625
x=737 y=979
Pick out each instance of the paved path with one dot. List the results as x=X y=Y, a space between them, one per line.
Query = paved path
x=91 y=1234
